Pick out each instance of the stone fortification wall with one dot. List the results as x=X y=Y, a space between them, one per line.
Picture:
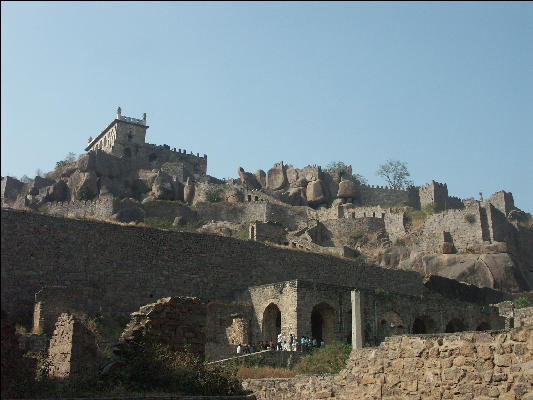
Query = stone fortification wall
x=103 y=207
x=381 y=195
x=341 y=231
x=241 y=213
x=124 y=267
x=503 y=201
x=463 y=233
x=466 y=365
x=267 y=232
x=290 y=217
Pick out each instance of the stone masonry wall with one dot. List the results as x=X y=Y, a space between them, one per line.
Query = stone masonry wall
x=381 y=195
x=464 y=366
x=124 y=267
x=174 y=321
x=72 y=349
x=103 y=207
x=463 y=233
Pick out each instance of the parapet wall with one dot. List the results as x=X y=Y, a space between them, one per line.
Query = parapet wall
x=381 y=195
x=124 y=267
x=466 y=365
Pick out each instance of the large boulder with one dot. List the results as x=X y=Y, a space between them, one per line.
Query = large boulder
x=248 y=179
x=163 y=188
x=131 y=214
x=347 y=189
x=296 y=197
x=292 y=174
x=83 y=185
x=102 y=163
x=315 y=193
x=11 y=188
x=260 y=176
x=39 y=183
x=275 y=178
x=58 y=191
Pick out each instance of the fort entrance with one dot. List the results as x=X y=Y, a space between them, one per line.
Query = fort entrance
x=323 y=323
x=271 y=323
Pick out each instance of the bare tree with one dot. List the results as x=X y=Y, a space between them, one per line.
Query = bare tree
x=71 y=157
x=395 y=173
x=39 y=172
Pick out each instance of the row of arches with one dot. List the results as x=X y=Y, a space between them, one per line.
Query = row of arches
x=322 y=323
x=323 y=319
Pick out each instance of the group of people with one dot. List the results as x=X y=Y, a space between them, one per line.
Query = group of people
x=304 y=344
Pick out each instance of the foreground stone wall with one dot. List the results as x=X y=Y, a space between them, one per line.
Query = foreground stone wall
x=178 y=322
x=124 y=267
x=467 y=365
x=72 y=349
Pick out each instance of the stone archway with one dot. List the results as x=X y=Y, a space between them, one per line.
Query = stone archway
x=271 y=323
x=455 y=325
x=424 y=324
x=323 y=323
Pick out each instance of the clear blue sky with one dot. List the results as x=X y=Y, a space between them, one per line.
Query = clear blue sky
x=446 y=87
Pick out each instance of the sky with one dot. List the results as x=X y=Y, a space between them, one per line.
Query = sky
x=445 y=87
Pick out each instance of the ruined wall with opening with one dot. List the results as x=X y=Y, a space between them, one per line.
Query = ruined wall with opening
x=123 y=267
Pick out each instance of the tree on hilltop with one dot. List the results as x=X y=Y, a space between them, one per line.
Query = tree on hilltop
x=342 y=171
x=395 y=173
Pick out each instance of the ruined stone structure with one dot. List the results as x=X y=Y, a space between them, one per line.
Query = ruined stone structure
x=72 y=349
x=178 y=322
x=466 y=365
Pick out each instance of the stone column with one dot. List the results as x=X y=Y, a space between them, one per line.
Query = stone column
x=357 y=323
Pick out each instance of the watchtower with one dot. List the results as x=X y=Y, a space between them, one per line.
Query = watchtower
x=120 y=136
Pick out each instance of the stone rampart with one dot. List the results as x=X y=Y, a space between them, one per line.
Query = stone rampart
x=381 y=195
x=123 y=267
x=103 y=207
x=466 y=365
x=463 y=226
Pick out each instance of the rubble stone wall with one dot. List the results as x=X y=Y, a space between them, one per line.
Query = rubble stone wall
x=103 y=207
x=466 y=365
x=72 y=349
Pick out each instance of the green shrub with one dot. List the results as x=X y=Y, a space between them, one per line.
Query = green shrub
x=431 y=208
x=85 y=194
x=470 y=218
x=154 y=367
x=243 y=234
x=521 y=302
x=325 y=360
x=213 y=195
x=382 y=294
x=360 y=238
